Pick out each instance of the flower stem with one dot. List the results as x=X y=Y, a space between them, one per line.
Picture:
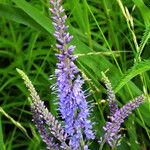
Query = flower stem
x=102 y=144
x=114 y=148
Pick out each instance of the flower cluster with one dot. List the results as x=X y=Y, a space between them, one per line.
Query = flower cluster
x=77 y=128
x=111 y=96
x=112 y=128
x=42 y=117
x=117 y=116
x=72 y=103
x=39 y=123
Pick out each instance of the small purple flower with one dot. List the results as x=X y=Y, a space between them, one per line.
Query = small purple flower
x=42 y=118
x=72 y=103
x=46 y=137
x=111 y=96
x=112 y=128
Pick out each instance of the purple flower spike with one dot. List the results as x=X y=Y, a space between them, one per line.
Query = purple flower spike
x=112 y=128
x=72 y=103
x=111 y=96
x=46 y=137
x=42 y=118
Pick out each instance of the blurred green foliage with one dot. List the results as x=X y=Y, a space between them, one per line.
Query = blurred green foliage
x=109 y=34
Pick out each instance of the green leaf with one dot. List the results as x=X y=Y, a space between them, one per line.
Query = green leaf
x=145 y=11
x=1 y=136
x=35 y=14
x=17 y=124
x=131 y=73
x=144 y=40
x=130 y=124
x=19 y=16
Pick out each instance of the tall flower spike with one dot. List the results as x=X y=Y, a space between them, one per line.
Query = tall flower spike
x=43 y=115
x=72 y=103
x=111 y=96
x=42 y=130
x=112 y=128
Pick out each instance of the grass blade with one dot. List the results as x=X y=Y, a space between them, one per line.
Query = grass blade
x=35 y=14
x=17 y=124
x=19 y=16
x=145 y=11
x=1 y=136
x=131 y=73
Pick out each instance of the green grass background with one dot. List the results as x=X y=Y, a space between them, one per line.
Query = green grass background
x=107 y=38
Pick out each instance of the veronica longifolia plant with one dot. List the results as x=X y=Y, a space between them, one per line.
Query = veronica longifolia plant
x=75 y=130
x=117 y=116
x=72 y=104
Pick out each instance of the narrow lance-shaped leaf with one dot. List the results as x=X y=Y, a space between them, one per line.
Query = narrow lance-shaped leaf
x=138 y=68
x=111 y=95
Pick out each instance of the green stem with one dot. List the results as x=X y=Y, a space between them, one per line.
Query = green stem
x=82 y=143
x=2 y=146
x=114 y=148
x=102 y=144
